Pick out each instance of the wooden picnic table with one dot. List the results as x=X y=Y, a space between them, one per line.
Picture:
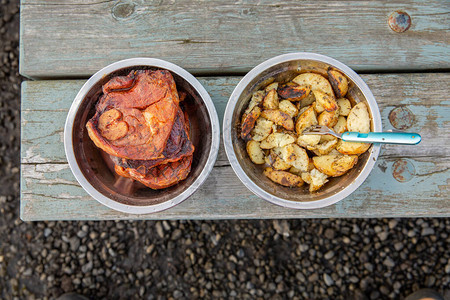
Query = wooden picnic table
x=63 y=43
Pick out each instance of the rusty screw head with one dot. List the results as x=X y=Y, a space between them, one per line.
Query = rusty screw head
x=403 y=170
x=399 y=21
x=401 y=118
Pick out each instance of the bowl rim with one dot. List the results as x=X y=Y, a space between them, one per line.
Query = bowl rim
x=228 y=143
x=136 y=62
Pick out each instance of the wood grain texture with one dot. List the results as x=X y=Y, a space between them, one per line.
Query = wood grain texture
x=77 y=38
x=49 y=191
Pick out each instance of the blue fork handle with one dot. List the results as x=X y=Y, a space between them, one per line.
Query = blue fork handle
x=405 y=138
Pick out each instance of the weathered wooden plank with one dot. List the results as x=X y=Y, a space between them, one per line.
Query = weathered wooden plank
x=45 y=105
x=77 y=38
x=50 y=192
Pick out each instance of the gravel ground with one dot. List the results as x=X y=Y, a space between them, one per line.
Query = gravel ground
x=298 y=259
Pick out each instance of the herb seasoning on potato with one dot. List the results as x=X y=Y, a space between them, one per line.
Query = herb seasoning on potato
x=277 y=115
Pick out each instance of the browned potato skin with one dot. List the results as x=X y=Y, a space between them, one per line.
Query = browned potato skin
x=334 y=165
x=305 y=120
x=284 y=178
x=293 y=92
x=328 y=118
x=271 y=100
x=350 y=148
x=326 y=101
x=279 y=118
x=339 y=83
x=249 y=122
x=255 y=152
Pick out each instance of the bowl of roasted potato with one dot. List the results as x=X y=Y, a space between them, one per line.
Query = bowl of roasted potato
x=268 y=113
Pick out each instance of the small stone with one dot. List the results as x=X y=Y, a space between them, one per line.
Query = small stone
x=328 y=280
x=354 y=279
x=384 y=290
x=87 y=267
x=177 y=294
x=388 y=262
x=329 y=254
x=313 y=277
x=374 y=295
x=87 y=281
x=81 y=234
x=303 y=248
x=411 y=233
x=382 y=235
x=329 y=233
x=27 y=272
x=392 y=223
x=368 y=266
x=398 y=246
x=47 y=232
x=241 y=253
x=427 y=231
x=74 y=243
x=176 y=234
x=281 y=227
x=430 y=281
x=299 y=276
x=159 y=229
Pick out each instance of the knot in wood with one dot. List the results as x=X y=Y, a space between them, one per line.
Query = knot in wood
x=123 y=10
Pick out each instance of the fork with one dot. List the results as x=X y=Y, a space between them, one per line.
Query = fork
x=405 y=138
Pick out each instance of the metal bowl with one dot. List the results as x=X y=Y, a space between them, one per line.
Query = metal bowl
x=94 y=170
x=283 y=68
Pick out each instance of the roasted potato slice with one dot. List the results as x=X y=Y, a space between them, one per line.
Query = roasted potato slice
x=308 y=140
x=262 y=129
x=295 y=156
x=326 y=147
x=249 y=122
x=280 y=164
x=272 y=86
x=358 y=119
x=293 y=92
x=351 y=148
x=271 y=100
x=289 y=108
x=295 y=171
x=284 y=178
x=318 y=179
x=310 y=99
x=255 y=152
x=305 y=120
x=315 y=81
x=344 y=106
x=334 y=165
x=326 y=138
x=276 y=162
x=277 y=139
x=339 y=83
x=328 y=118
x=279 y=118
x=341 y=125
x=256 y=100
x=325 y=102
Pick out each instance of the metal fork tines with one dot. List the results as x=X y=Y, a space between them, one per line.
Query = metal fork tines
x=320 y=129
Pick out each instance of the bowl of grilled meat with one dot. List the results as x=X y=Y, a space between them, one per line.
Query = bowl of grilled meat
x=141 y=135
x=268 y=114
